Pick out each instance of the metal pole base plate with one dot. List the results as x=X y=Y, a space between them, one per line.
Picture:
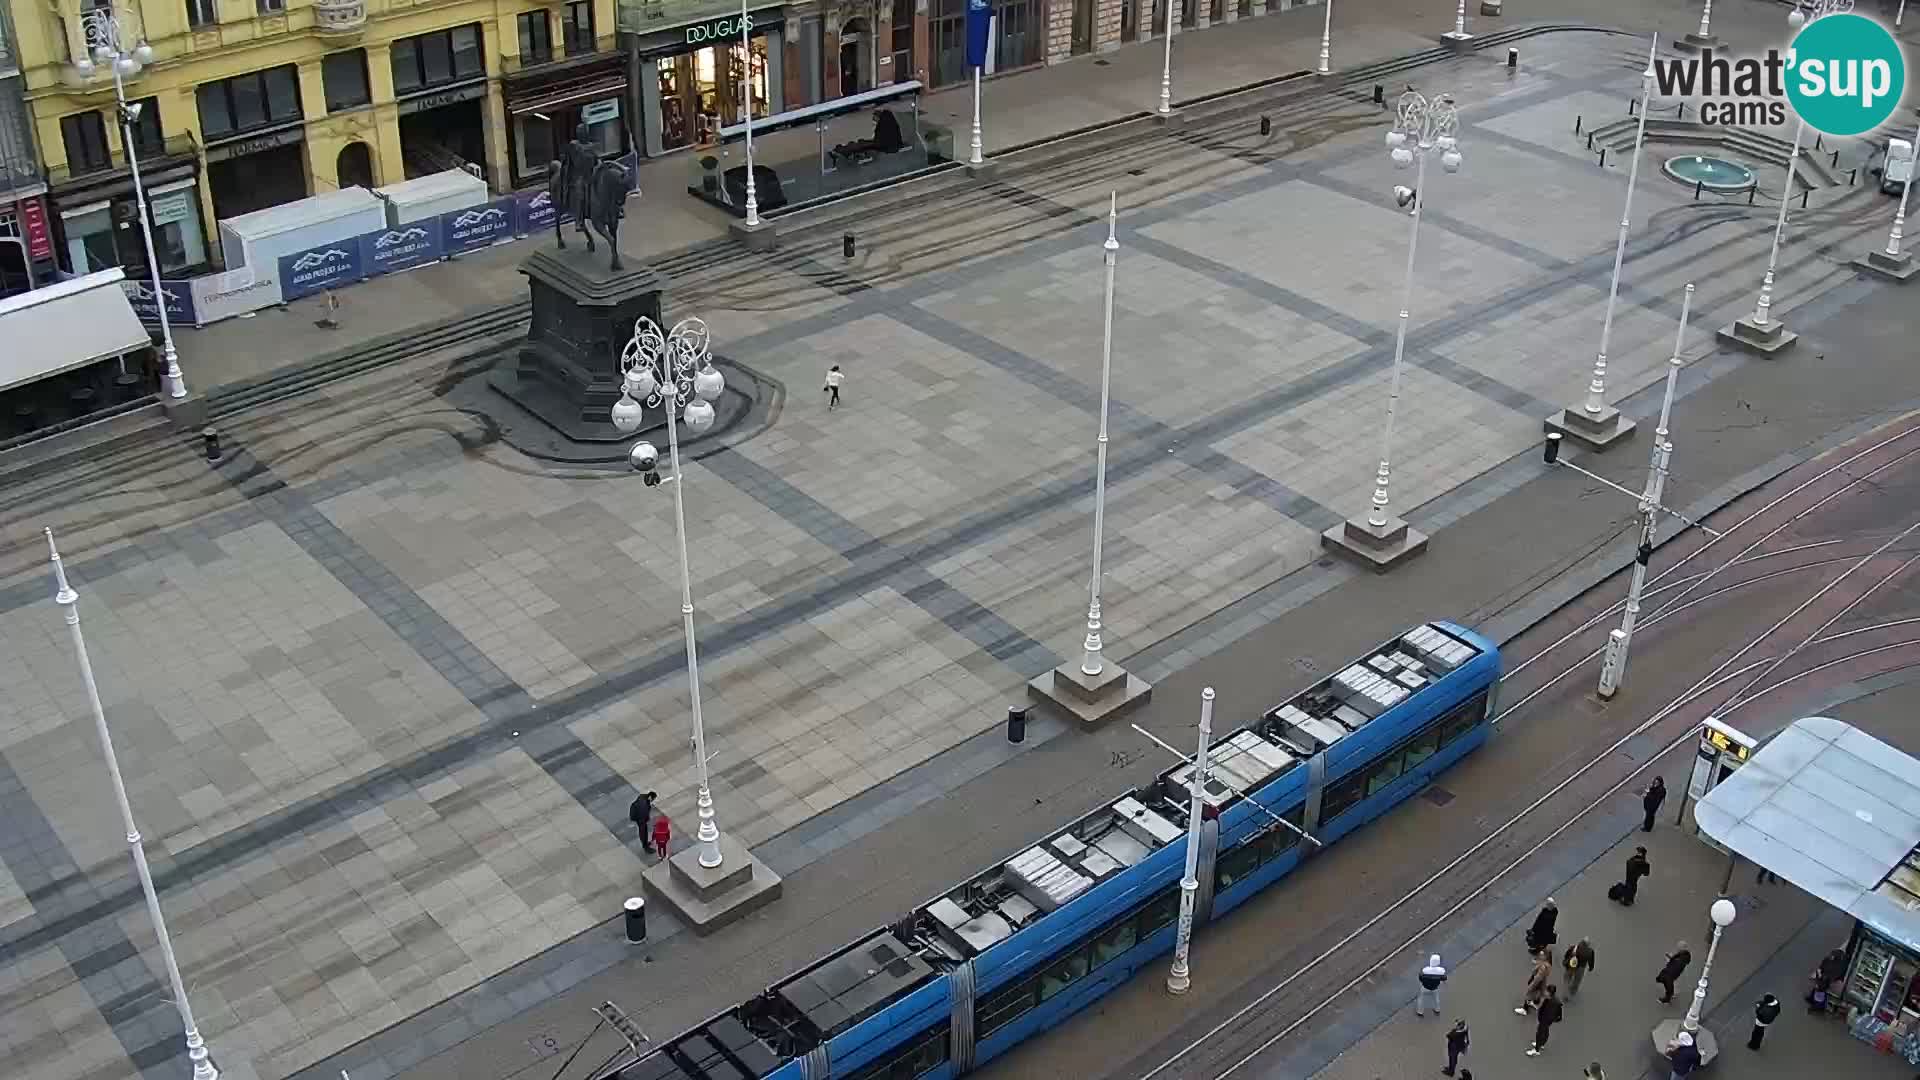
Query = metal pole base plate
x=1892 y=267
x=1765 y=340
x=1590 y=431
x=1379 y=549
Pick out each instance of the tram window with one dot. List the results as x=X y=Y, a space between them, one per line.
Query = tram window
x=1117 y=939
x=1340 y=797
x=1235 y=865
x=1063 y=973
x=1383 y=773
x=1422 y=747
x=1159 y=911
x=1005 y=1005
x=1463 y=718
x=915 y=1059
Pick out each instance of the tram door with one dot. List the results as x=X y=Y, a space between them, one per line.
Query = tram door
x=1723 y=748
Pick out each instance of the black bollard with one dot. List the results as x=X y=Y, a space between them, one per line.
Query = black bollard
x=1836 y=159
x=1016 y=724
x=1551 y=451
x=1817 y=138
x=1576 y=125
x=1379 y=94
x=1803 y=198
x=846 y=245
x=1750 y=193
x=1853 y=177
x=1513 y=59
x=211 y=439
x=1266 y=126
x=1682 y=112
x=636 y=908
x=1631 y=106
x=1603 y=157
x=1696 y=189
x=1589 y=140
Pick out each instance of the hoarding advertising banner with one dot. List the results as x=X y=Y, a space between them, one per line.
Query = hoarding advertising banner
x=477 y=226
x=177 y=294
x=536 y=212
x=303 y=273
x=236 y=292
x=403 y=247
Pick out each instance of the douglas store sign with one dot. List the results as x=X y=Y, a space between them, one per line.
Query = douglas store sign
x=674 y=26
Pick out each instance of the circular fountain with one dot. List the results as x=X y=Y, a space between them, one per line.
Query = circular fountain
x=1711 y=173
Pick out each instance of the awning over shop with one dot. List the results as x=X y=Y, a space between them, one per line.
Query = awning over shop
x=65 y=326
x=1836 y=812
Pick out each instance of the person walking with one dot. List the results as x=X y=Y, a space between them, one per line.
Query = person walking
x=1578 y=961
x=1457 y=1039
x=1682 y=1058
x=1765 y=1012
x=1536 y=982
x=641 y=814
x=835 y=377
x=1832 y=967
x=1677 y=962
x=1431 y=977
x=1637 y=868
x=1541 y=934
x=1593 y=1072
x=1650 y=802
x=662 y=835
x=1548 y=1015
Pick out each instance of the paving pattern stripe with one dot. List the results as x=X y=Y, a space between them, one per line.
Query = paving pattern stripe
x=1131 y=421
x=965 y=616
x=106 y=963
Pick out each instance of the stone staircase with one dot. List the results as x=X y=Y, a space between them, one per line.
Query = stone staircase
x=1765 y=154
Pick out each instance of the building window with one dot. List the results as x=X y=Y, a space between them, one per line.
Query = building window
x=147 y=140
x=271 y=7
x=86 y=137
x=344 y=74
x=245 y=102
x=536 y=40
x=432 y=59
x=902 y=40
x=178 y=240
x=577 y=28
x=203 y=12
x=949 y=42
x=90 y=240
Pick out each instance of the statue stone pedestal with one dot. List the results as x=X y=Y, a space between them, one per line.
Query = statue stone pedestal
x=568 y=372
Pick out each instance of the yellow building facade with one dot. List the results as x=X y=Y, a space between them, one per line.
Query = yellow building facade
x=253 y=103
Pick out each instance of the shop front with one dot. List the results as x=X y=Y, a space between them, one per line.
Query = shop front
x=546 y=103
x=695 y=76
x=97 y=218
x=440 y=83
x=254 y=172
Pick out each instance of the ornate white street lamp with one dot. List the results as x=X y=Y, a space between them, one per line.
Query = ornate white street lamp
x=1761 y=331
x=753 y=201
x=1166 y=63
x=1458 y=35
x=107 y=36
x=1326 y=39
x=1894 y=262
x=1722 y=914
x=1179 y=976
x=1422 y=126
x=1596 y=423
x=69 y=602
x=1091 y=663
x=660 y=371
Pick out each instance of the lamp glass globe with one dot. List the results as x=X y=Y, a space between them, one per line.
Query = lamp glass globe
x=144 y=53
x=1722 y=912
x=626 y=414
x=1446 y=142
x=1396 y=138
x=1450 y=161
x=699 y=415
x=1402 y=157
x=84 y=66
x=1796 y=18
x=708 y=383
x=127 y=66
x=102 y=54
x=640 y=382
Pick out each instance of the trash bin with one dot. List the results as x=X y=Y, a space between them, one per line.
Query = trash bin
x=636 y=919
x=1016 y=724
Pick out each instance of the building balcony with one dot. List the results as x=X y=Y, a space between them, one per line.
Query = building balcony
x=339 y=17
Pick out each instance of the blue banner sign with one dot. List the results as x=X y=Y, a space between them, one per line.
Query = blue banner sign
x=477 y=226
x=979 y=26
x=328 y=266
x=402 y=247
x=536 y=212
x=178 y=296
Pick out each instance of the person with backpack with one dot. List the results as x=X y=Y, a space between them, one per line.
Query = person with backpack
x=1765 y=1012
x=1456 y=1047
x=1682 y=1058
x=1548 y=1014
x=641 y=814
x=1578 y=961
x=1536 y=982
x=1629 y=887
x=835 y=377
x=1431 y=977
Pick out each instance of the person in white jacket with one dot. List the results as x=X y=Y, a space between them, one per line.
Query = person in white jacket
x=1431 y=977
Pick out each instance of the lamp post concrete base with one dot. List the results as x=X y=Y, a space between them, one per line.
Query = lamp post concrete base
x=1663 y=1035
x=1458 y=41
x=708 y=899
x=762 y=237
x=983 y=171
x=1693 y=42
x=1591 y=431
x=1892 y=267
x=1751 y=336
x=1174 y=119
x=1091 y=699
x=185 y=414
x=1378 y=549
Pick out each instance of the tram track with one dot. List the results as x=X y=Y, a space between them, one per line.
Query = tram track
x=1794 y=653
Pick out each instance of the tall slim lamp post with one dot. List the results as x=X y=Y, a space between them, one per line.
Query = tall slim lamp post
x=1458 y=36
x=1760 y=331
x=1722 y=913
x=1421 y=127
x=1894 y=262
x=661 y=370
x=69 y=602
x=746 y=66
x=1326 y=39
x=1179 y=976
x=1166 y=64
x=1096 y=689
x=1597 y=424
x=107 y=36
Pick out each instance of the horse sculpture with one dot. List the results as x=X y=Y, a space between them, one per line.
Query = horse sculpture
x=593 y=191
x=607 y=203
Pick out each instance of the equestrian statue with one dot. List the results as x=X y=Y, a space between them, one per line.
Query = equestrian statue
x=593 y=191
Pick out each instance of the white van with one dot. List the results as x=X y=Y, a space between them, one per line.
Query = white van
x=1898 y=168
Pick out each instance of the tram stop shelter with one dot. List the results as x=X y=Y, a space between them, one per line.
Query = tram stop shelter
x=1837 y=813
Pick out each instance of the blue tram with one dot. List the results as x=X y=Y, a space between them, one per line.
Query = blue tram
x=1021 y=946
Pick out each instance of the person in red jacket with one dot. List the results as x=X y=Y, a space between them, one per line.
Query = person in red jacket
x=662 y=834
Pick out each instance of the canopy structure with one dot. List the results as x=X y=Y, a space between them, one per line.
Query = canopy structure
x=65 y=326
x=1836 y=812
